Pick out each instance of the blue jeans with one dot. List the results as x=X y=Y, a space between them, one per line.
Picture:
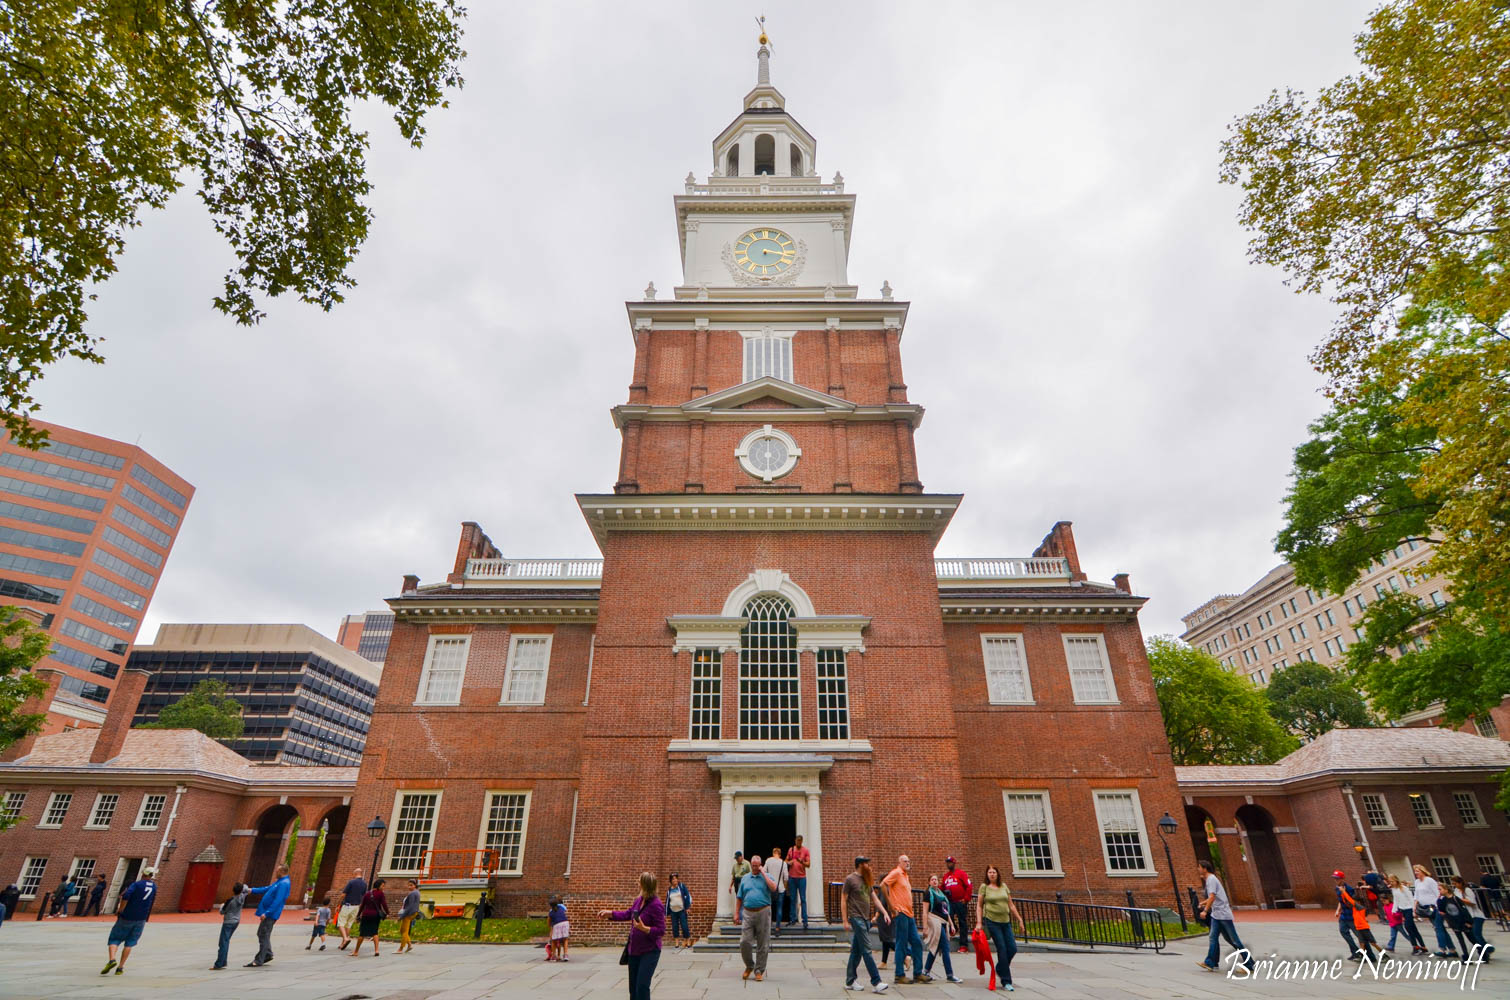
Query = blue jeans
x=1439 y=924
x=223 y=956
x=945 y=945
x=796 y=894
x=641 y=972
x=1345 y=928
x=1006 y=948
x=859 y=947
x=678 y=924
x=1223 y=929
x=908 y=942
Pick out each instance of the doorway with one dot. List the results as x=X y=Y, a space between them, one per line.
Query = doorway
x=126 y=871
x=768 y=826
x=1273 y=880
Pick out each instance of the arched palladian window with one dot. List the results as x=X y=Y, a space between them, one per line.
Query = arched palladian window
x=768 y=694
x=765 y=154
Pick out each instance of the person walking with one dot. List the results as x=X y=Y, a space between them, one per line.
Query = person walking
x=855 y=911
x=756 y=892
x=740 y=870
x=995 y=912
x=647 y=925
x=60 y=897
x=408 y=913
x=351 y=903
x=885 y=929
x=959 y=889
x=1346 y=902
x=1428 y=893
x=135 y=911
x=1404 y=899
x=1215 y=908
x=370 y=917
x=797 y=860
x=678 y=905
x=559 y=941
x=776 y=868
x=10 y=898
x=321 y=926
x=1475 y=915
x=269 y=909
x=96 y=896
x=896 y=891
x=230 y=920
x=937 y=941
x=1376 y=891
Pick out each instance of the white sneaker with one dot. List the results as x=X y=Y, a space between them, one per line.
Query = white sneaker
x=881 y=987
x=955 y=979
x=853 y=986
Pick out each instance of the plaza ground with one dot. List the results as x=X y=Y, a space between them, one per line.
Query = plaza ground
x=55 y=958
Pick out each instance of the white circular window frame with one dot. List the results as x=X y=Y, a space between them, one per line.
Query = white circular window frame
x=792 y=452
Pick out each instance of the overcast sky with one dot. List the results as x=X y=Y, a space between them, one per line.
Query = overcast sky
x=1039 y=180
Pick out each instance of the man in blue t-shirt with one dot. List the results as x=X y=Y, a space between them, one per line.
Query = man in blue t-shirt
x=268 y=912
x=136 y=908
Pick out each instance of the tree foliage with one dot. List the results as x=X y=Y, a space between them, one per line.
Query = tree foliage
x=208 y=708
x=1212 y=716
x=1310 y=699
x=22 y=646
x=111 y=105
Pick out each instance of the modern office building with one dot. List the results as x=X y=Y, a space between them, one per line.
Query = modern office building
x=305 y=699
x=86 y=526
x=367 y=634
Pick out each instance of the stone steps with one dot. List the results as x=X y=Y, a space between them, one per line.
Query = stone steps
x=818 y=936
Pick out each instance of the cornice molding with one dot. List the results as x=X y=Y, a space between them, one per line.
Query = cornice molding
x=780 y=512
x=625 y=412
x=814 y=313
x=1029 y=607
x=468 y=608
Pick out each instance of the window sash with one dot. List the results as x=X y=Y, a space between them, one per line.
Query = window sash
x=1423 y=810
x=104 y=809
x=33 y=871
x=706 y=721
x=57 y=809
x=833 y=695
x=1031 y=829
x=768 y=355
x=1007 y=681
x=528 y=669
x=413 y=828
x=769 y=693
x=10 y=808
x=151 y=812
x=445 y=667
x=1377 y=811
x=1489 y=864
x=504 y=829
x=83 y=868
x=1090 y=673
x=1468 y=808
x=1444 y=866
x=1122 y=839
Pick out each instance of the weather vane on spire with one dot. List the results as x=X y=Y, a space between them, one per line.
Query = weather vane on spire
x=764 y=38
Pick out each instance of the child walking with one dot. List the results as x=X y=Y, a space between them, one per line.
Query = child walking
x=230 y=919
x=560 y=932
x=322 y=920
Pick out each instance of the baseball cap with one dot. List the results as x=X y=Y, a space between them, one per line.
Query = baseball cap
x=739 y=854
x=861 y=859
x=949 y=860
x=148 y=872
x=1339 y=874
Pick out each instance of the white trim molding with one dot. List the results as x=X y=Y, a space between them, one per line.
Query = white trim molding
x=830 y=632
x=768 y=433
x=768 y=581
x=694 y=632
x=607 y=512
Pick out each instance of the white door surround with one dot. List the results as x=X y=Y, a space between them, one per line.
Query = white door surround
x=770 y=778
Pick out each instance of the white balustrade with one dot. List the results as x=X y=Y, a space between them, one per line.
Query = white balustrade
x=534 y=569
x=1007 y=568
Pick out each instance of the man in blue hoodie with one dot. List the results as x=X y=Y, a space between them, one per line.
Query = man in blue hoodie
x=268 y=911
x=136 y=908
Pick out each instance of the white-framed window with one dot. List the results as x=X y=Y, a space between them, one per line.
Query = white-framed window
x=768 y=352
x=1468 y=808
x=1424 y=811
x=1030 y=830
x=1489 y=864
x=504 y=823
x=1124 y=840
x=1486 y=726
x=103 y=811
x=1444 y=866
x=82 y=870
x=1436 y=599
x=707 y=694
x=1007 y=680
x=1090 y=671
x=10 y=808
x=151 y=812
x=57 y=808
x=833 y=695
x=770 y=698
x=1259 y=679
x=1376 y=810
x=445 y=666
x=33 y=871
x=528 y=668
x=413 y=829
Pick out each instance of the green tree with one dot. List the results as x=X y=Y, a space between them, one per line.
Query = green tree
x=1211 y=715
x=22 y=645
x=111 y=105
x=208 y=708
x=1310 y=699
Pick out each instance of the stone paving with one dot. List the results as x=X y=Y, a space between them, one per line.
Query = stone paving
x=53 y=959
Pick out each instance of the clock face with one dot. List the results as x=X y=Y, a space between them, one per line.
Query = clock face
x=767 y=455
x=764 y=253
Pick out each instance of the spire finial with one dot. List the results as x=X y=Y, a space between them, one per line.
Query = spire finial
x=763 y=77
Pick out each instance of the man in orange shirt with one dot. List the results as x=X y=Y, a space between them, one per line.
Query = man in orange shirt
x=797 y=860
x=896 y=891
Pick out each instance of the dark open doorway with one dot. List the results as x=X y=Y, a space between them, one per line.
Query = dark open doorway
x=768 y=826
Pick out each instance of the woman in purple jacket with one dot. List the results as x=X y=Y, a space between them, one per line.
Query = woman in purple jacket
x=647 y=925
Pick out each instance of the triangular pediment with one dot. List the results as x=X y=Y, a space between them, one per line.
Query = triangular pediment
x=771 y=392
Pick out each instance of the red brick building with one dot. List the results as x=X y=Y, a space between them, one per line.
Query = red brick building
x=1352 y=799
x=768 y=645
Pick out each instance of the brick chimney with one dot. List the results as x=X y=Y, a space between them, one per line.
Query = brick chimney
x=411 y=583
x=1122 y=583
x=1060 y=541
x=123 y=701
x=33 y=706
x=473 y=544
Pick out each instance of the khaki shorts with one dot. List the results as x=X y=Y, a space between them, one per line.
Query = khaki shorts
x=348 y=916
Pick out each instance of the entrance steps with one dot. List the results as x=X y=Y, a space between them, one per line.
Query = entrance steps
x=819 y=936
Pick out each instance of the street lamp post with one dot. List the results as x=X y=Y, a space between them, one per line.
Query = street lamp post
x=1167 y=825
x=375 y=830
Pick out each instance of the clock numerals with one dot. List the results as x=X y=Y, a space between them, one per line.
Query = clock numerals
x=764 y=252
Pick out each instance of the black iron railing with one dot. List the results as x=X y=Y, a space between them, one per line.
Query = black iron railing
x=1056 y=921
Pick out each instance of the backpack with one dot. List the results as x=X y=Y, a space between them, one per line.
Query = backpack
x=1453 y=909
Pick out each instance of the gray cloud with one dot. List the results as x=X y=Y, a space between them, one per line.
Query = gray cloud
x=1039 y=180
